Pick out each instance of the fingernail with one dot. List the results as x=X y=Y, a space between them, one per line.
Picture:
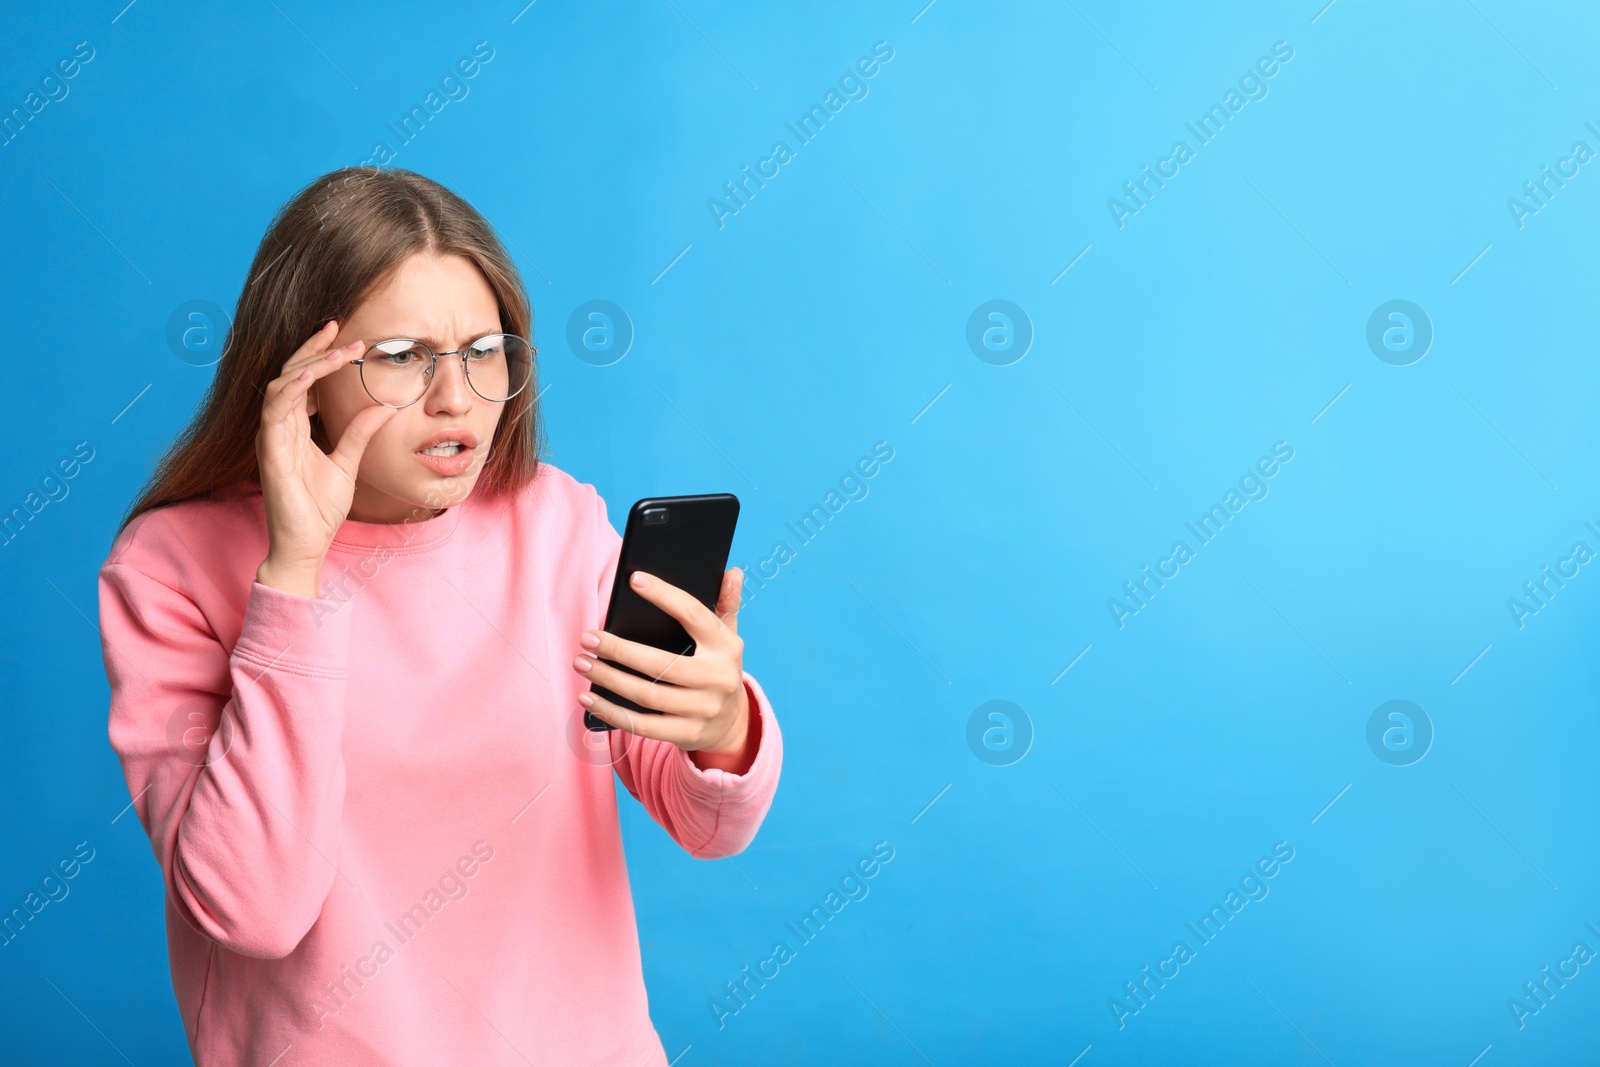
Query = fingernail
x=589 y=639
x=583 y=663
x=586 y=700
x=640 y=580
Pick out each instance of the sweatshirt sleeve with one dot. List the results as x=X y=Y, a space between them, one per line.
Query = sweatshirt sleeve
x=232 y=757
x=710 y=813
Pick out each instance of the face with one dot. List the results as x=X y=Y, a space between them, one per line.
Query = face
x=445 y=302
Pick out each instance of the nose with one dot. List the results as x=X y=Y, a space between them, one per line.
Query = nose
x=449 y=393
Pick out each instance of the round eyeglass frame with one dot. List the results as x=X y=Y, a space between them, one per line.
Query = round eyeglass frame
x=433 y=365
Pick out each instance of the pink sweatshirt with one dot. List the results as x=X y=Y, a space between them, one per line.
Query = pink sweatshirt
x=385 y=834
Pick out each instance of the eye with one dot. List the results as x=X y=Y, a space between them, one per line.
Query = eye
x=398 y=354
x=486 y=348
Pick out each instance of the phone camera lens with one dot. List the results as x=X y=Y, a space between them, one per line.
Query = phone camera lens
x=652 y=516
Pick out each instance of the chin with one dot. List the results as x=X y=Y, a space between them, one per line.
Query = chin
x=427 y=493
x=444 y=492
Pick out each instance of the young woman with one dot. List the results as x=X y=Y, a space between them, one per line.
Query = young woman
x=350 y=627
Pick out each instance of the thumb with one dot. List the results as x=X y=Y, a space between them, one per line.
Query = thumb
x=353 y=442
x=729 y=600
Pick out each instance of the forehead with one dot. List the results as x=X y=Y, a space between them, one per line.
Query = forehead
x=440 y=300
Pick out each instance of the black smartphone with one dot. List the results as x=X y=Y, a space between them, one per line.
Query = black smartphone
x=683 y=540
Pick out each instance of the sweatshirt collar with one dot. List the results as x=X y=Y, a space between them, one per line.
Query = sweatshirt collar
x=415 y=535
x=353 y=536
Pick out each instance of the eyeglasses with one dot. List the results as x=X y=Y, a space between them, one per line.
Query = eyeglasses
x=396 y=373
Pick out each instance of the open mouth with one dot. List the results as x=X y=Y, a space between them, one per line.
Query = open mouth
x=445 y=448
x=449 y=453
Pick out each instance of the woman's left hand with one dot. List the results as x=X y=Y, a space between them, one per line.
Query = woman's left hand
x=702 y=697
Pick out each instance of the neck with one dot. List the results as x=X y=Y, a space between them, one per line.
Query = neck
x=372 y=505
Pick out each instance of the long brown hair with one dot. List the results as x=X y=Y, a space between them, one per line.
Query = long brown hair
x=340 y=238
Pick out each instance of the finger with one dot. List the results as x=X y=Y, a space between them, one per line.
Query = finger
x=657 y=664
x=732 y=595
x=353 y=442
x=660 y=727
x=315 y=346
x=282 y=391
x=697 y=619
x=316 y=365
x=672 y=699
x=286 y=394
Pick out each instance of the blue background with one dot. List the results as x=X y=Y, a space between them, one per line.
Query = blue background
x=1228 y=314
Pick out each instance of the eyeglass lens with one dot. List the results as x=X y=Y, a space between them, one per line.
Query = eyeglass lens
x=396 y=373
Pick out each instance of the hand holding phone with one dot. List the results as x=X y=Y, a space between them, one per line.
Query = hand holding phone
x=683 y=541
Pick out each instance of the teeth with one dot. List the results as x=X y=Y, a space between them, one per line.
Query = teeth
x=444 y=448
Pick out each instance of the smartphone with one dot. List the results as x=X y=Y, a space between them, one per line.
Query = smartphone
x=683 y=540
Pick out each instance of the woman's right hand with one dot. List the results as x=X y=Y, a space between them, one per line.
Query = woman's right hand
x=307 y=491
